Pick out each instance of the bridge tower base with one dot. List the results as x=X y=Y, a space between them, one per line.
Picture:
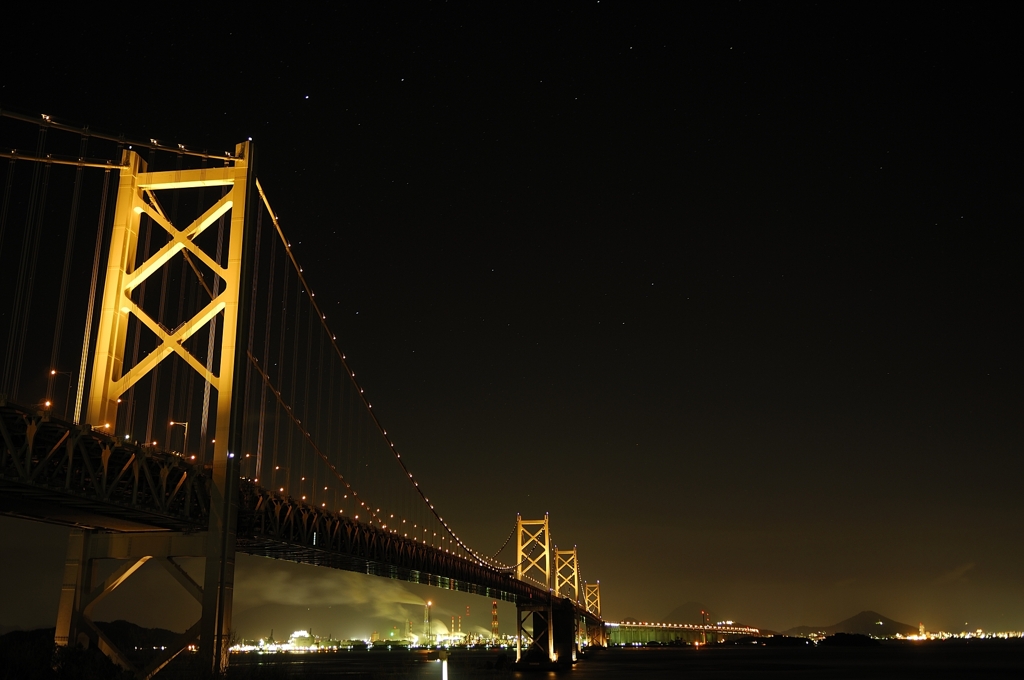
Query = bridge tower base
x=540 y=650
x=554 y=638
x=80 y=593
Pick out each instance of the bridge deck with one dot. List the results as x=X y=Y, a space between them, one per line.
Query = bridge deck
x=52 y=471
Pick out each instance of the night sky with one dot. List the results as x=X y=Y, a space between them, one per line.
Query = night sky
x=732 y=292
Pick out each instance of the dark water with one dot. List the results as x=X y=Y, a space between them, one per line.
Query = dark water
x=934 y=660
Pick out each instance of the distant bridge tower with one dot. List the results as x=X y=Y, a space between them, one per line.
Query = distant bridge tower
x=494 y=619
x=592 y=594
x=567 y=580
x=531 y=535
x=567 y=583
x=137 y=195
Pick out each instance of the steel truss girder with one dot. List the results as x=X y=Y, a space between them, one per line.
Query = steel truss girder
x=115 y=485
x=53 y=470
x=280 y=527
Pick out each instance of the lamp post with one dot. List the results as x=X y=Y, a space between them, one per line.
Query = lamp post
x=67 y=397
x=184 y=445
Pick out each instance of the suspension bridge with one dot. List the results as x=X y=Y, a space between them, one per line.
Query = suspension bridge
x=175 y=390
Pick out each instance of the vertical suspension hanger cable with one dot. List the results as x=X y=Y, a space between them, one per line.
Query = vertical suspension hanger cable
x=7 y=202
x=362 y=449
x=306 y=411
x=266 y=357
x=212 y=337
x=69 y=248
x=251 y=332
x=8 y=384
x=293 y=369
x=280 y=379
x=5 y=377
x=330 y=428
x=31 y=280
x=91 y=305
x=319 y=407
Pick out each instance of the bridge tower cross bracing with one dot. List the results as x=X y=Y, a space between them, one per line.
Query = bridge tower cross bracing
x=592 y=595
x=567 y=583
x=136 y=196
x=567 y=580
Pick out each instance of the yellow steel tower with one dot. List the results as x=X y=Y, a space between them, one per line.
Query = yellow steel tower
x=531 y=535
x=592 y=593
x=567 y=580
x=137 y=196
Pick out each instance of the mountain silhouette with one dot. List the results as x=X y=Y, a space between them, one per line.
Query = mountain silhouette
x=866 y=623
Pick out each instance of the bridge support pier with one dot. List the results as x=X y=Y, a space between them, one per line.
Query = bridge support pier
x=563 y=629
x=542 y=641
x=555 y=638
x=80 y=593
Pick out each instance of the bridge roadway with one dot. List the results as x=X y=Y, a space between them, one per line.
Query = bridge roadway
x=53 y=471
x=630 y=633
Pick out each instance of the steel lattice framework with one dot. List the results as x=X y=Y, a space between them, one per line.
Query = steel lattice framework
x=50 y=469
x=592 y=593
x=567 y=579
x=275 y=526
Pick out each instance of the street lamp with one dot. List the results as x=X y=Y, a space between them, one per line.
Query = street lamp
x=67 y=397
x=184 y=445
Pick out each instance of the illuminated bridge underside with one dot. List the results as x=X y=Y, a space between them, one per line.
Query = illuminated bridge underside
x=273 y=526
x=53 y=471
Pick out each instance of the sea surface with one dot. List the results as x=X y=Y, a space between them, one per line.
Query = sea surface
x=962 y=660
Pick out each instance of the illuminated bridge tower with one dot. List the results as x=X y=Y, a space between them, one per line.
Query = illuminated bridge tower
x=531 y=535
x=567 y=580
x=592 y=593
x=229 y=305
x=567 y=584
